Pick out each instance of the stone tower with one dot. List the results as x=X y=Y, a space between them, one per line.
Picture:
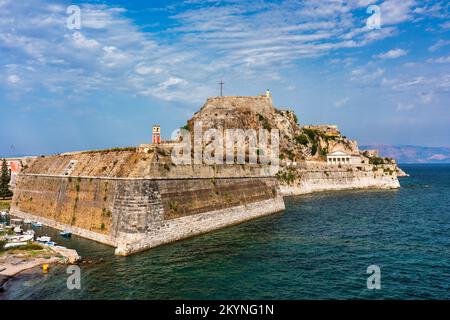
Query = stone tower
x=156 y=137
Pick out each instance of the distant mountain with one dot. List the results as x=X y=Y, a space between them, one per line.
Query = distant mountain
x=413 y=154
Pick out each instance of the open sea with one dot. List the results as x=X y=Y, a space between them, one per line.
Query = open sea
x=318 y=248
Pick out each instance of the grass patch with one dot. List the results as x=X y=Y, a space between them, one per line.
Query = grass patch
x=5 y=204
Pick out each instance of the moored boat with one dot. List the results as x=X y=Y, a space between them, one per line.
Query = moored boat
x=65 y=233
x=44 y=239
x=18 y=229
x=15 y=244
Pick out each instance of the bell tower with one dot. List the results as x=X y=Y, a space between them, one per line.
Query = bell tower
x=156 y=136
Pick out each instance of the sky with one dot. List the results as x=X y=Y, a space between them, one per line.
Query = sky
x=132 y=64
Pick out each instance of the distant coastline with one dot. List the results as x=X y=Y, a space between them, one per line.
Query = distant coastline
x=408 y=154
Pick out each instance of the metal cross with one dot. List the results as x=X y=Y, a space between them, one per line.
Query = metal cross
x=221 y=87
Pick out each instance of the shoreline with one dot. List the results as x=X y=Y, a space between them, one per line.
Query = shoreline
x=13 y=270
x=15 y=263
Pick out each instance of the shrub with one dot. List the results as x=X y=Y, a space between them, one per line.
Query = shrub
x=311 y=133
x=302 y=139
x=314 y=149
x=173 y=206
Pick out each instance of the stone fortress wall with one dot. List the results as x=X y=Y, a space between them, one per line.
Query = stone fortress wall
x=113 y=206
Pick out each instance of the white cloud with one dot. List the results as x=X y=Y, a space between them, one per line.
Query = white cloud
x=145 y=69
x=442 y=59
x=341 y=102
x=395 y=12
x=80 y=41
x=401 y=106
x=441 y=43
x=13 y=78
x=392 y=54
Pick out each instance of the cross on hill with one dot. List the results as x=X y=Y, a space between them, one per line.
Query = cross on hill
x=221 y=83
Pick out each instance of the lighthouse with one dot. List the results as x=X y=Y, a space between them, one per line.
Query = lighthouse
x=156 y=137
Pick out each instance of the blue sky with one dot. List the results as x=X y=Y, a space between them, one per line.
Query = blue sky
x=136 y=63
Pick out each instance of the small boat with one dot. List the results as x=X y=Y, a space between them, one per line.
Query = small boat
x=29 y=232
x=51 y=243
x=65 y=234
x=18 y=229
x=44 y=239
x=22 y=238
x=27 y=221
x=4 y=213
x=37 y=224
x=14 y=245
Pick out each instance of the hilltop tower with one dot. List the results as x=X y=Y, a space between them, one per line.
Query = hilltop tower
x=156 y=136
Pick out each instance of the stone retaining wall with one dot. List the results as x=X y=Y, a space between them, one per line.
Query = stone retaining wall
x=136 y=214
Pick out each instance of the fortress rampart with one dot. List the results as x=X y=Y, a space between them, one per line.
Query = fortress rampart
x=136 y=213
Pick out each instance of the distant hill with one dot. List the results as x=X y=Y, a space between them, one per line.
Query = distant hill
x=413 y=154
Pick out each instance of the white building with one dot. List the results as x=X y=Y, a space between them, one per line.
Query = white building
x=339 y=157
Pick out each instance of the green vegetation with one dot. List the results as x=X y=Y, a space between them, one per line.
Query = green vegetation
x=173 y=206
x=161 y=152
x=311 y=133
x=323 y=151
x=314 y=149
x=5 y=178
x=186 y=127
x=301 y=139
x=376 y=161
x=106 y=213
x=295 y=117
x=264 y=121
x=5 y=204
x=289 y=154
x=286 y=175
x=227 y=197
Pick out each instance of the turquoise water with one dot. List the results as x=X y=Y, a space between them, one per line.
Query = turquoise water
x=319 y=248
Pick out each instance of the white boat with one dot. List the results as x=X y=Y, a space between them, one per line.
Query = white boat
x=30 y=232
x=3 y=213
x=27 y=221
x=44 y=239
x=22 y=238
x=14 y=245
x=36 y=224
x=18 y=229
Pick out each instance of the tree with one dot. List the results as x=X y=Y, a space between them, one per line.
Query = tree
x=4 y=181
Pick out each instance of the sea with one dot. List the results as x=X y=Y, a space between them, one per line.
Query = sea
x=323 y=246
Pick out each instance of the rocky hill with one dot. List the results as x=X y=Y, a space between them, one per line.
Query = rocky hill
x=297 y=143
